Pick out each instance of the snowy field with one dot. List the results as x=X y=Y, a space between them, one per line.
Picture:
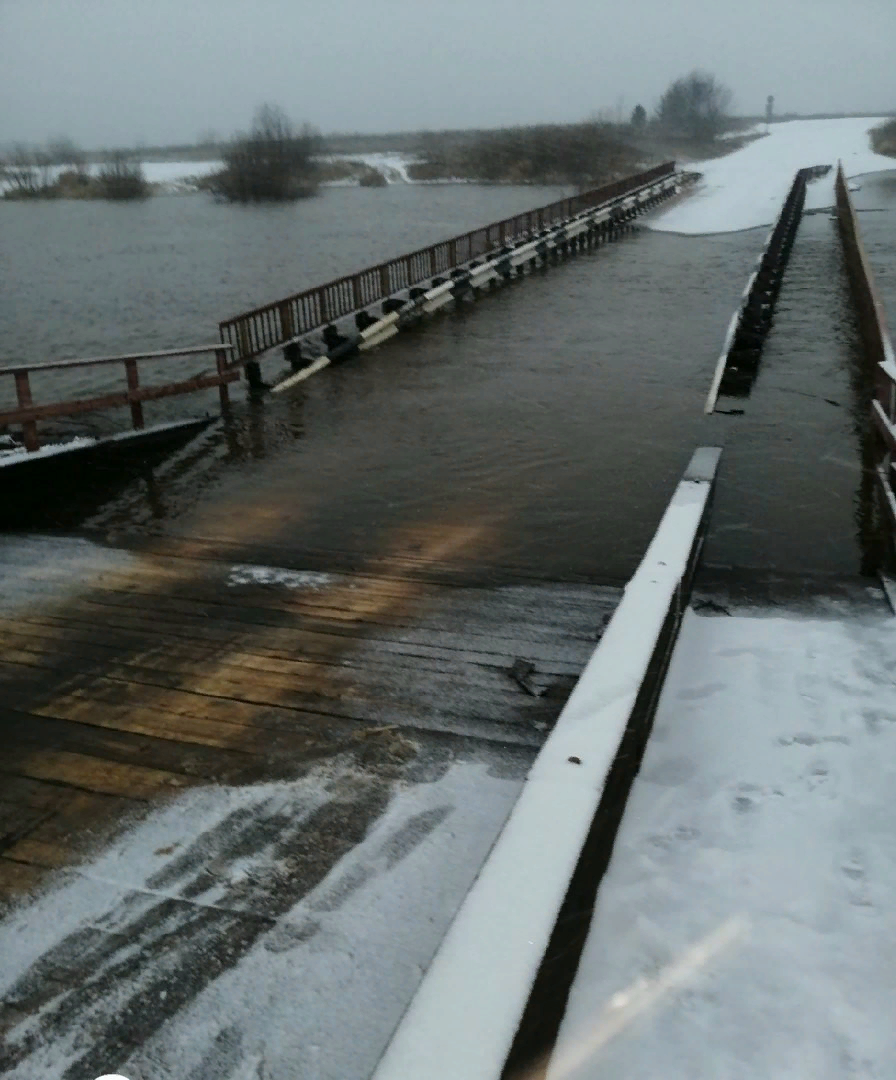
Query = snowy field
x=169 y=174
x=746 y=927
x=746 y=189
x=176 y=172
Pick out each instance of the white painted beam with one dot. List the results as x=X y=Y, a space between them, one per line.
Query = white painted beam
x=293 y=380
x=465 y=1015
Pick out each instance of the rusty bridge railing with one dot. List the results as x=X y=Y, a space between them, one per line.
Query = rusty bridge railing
x=28 y=413
x=266 y=327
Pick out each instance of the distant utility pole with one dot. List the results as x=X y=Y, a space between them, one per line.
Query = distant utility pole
x=769 y=110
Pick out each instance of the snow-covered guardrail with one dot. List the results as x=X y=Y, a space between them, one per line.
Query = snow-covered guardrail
x=465 y=1016
x=742 y=347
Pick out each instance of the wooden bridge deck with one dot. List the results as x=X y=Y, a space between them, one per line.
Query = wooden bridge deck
x=149 y=674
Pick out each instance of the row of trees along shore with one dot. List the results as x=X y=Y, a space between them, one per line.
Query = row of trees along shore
x=688 y=119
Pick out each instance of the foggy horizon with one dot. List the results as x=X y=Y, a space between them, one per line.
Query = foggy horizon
x=104 y=73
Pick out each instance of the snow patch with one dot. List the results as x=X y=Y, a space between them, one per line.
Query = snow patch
x=49 y=450
x=746 y=189
x=245 y=574
x=749 y=898
x=317 y=993
x=170 y=172
x=393 y=166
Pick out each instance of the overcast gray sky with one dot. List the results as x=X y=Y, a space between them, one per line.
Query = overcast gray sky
x=158 y=71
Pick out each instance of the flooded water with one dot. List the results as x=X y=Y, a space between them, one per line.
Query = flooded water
x=552 y=417
x=793 y=495
x=95 y=278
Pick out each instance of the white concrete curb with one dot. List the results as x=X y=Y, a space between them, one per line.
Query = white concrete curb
x=463 y=1019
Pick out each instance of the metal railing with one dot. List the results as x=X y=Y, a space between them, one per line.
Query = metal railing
x=254 y=332
x=28 y=413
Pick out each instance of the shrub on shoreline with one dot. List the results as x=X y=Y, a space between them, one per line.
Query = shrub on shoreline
x=122 y=178
x=37 y=174
x=883 y=138
x=372 y=178
x=272 y=163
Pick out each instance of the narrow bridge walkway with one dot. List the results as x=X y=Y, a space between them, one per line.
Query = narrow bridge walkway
x=795 y=493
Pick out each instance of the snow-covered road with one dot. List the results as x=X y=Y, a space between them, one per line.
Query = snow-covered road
x=745 y=926
x=746 y=189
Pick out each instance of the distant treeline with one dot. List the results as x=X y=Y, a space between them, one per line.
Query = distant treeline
x=547 y=154
x=276 y=160
x=693 y=111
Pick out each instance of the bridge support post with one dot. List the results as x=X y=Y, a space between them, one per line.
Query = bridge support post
x=253 y=377
x=223 y=391
x=29 y=427
x=133 y=388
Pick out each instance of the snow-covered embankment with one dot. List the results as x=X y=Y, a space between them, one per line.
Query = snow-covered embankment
x=745 y=190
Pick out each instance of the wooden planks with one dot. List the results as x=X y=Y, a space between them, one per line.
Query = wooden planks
x=163 y=672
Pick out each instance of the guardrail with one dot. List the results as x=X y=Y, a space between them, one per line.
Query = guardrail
x=878 y=344
x=28 y=413
x=738 y=361
x=255 y=332
x=550 y=245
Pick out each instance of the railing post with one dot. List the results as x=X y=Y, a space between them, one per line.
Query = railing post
x=130 y=367
x=29 y=427
x=385 y=283
x=223 y=390
x=286 y=327
x=242 y=334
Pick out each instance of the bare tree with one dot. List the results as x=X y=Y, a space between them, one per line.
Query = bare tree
x=43 y=163
x=695 y=105
x=274 y=162
x=64 y=151
x=21 y=172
